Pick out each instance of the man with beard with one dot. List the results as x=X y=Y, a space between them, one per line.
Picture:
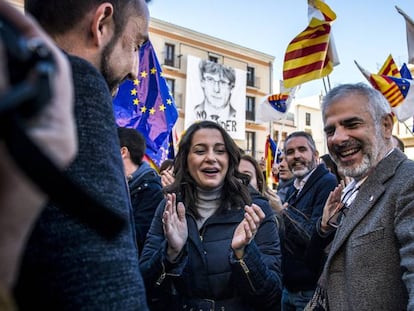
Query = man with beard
x=370 y=264
x=67 y=265
x=303 y=206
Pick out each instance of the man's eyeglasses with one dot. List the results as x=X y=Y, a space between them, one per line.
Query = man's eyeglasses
x=221 y=83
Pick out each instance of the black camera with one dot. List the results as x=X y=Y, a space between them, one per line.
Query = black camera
x=30 y=71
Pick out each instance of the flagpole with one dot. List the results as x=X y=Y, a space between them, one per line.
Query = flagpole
x=269 y=174
x=409 y=130
x=329 y=82
x=324 y=85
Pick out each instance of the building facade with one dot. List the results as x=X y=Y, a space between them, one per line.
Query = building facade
x=176 y=46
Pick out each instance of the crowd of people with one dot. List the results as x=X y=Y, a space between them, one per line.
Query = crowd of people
x=205 y=231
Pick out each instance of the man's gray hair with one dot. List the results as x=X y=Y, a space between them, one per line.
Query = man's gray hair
x=378 y=105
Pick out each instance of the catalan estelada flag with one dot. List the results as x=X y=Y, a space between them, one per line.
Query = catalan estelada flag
x=147 y=105
x=389 y=68
x=275 y=107
x=307 y=57
x=399 y=92
x=388 y=88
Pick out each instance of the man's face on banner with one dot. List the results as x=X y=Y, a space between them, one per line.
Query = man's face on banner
x=217 y=90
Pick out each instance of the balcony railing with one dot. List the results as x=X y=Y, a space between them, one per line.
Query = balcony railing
x=253 y=82
x=175 y=62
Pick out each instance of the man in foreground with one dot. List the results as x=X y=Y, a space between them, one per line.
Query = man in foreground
x=67 y=264
x=370 y=264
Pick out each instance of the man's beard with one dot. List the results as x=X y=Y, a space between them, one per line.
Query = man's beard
x=301 y=173
x=369 y=159
x=105 y=67
x=308 y=167
x=359 y=171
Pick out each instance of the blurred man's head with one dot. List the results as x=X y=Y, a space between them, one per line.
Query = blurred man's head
x=107 y=34
x=133 y=146
x=284 y=173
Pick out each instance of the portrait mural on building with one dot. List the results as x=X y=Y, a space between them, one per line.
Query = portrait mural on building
x=218 y=93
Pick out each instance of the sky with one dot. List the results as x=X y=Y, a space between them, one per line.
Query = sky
x=365 y=30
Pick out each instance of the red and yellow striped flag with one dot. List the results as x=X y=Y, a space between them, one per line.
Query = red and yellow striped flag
x=389 y=68
x=307 y=57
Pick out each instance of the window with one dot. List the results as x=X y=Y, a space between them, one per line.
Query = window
x=213 y=59
x=251 y=143
x=250 y=108
x=282 y=139
x=169 y=54
x=307 y=119
x=171 y=85
x=250 y=76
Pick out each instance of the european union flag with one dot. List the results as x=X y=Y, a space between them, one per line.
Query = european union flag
x=146 y=104
x=171 y=149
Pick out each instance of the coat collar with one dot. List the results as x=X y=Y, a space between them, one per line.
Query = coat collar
x=319 y=171
x=369 y=193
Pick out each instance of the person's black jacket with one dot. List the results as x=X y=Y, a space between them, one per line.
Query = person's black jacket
x=67 y=265
x=207 y=267
x=299 y=220
x=145 y=191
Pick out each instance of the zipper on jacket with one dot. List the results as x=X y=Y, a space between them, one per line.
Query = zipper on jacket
x=201 y=232
x=162 y=276
x=247 y=272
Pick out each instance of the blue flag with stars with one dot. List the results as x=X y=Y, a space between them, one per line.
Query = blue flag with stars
x=147 y=105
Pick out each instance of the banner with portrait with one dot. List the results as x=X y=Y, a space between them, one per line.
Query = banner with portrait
x=218 y=93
